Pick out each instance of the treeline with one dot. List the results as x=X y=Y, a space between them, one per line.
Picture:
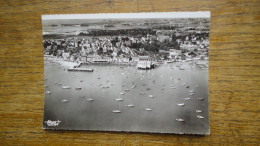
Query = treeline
x=129 y=32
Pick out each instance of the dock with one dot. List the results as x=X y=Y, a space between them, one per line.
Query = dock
x=81 y=69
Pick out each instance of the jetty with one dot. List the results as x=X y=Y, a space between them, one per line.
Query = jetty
x=81 y=69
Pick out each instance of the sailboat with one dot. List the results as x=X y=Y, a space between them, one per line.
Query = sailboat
x=66 y=87
x=180 y=120
x=129 y=105
x=117 y=110
x=198 y=111
x=180 y=104
x=90 y=99
x=151 y=96
x=200 y=117
x=187 y=98
x=64 y=100
x=48 y=92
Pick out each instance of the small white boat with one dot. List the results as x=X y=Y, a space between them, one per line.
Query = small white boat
x=183 y=84
x=141 y=93
x=144 y=84
x=180 y=120
x=99 y=84
x=148 y=109
x=116 y=111
x=191 y=94
x=151 y=96
x=172 y=87
x=66 y=87
x=187 y=98
x=200 y=117
x=48 y=92
x=45 y=86
x=90 y=99
x=119 y=99
x=64 y=100
x=198 y=111
x=133 y=86
x=180 y=104
x=129 y=105
x=78 y=88
x=191 y=91
x=126 y=90
x=122 y=93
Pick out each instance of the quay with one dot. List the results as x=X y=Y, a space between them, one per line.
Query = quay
x=81 y=69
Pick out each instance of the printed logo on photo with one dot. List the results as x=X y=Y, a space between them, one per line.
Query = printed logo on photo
x=53 y=123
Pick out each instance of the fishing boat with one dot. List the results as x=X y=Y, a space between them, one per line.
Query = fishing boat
x=148 y=89
x=151 y=96
x=90 y=99
x=183 y=84
x=64 y=100
x=45 y=86
x=78 y=88
x=99 y=84
x=48 y=92
x=200 y=117
x=112 y=84
x=66 y=87
x=198 y=111
x=148 y=109
x=122 y=93
x=133 y=86
x=141 y=93
x=129 y=105
x=59 y=84
x=180 y=120
x=180 y=104
x=126 y=90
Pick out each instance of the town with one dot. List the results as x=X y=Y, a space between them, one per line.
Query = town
x=141 y=46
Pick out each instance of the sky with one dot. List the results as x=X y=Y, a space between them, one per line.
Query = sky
x=200 y=14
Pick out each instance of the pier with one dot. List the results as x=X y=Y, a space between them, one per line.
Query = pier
x=81 y=69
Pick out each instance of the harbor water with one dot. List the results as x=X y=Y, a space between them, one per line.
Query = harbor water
x=162 y=90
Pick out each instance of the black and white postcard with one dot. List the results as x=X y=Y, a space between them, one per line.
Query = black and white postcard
x=132 y=72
